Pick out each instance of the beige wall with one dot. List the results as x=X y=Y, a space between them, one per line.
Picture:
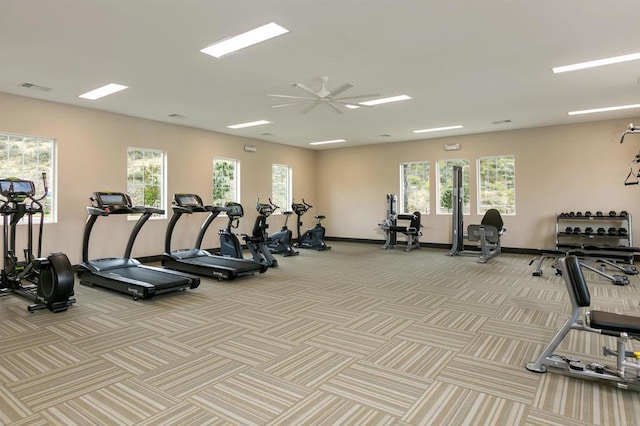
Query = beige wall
x=92 y=154
x=562 y=168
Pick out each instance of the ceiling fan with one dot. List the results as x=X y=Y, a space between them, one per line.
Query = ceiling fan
x=322 y=97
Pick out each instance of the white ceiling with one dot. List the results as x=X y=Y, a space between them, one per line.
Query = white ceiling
x=463 y=62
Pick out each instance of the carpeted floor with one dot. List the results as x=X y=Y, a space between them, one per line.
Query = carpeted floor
x=355 y=335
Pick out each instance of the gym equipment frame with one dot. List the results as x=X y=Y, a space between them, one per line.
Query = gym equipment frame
x=392 y=229
x=46 y=281
x=486 y=235
x=625 y=374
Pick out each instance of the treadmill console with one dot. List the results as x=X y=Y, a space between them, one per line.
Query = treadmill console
x=13 y=188
x=188 y=200
x=111 y=199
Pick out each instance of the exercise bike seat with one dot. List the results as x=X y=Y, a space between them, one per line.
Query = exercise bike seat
x=320 y=217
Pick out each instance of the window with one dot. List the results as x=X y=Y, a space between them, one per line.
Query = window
x=145 y=177
x=226 y=181
x=281 y=186
x=414 y=191
x=445 y=186
x=497 y=184
x=27 y=157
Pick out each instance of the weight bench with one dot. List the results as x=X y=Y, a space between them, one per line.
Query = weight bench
x=411 y=230
x=487 y=235
x=625 y=374
x=604 y=257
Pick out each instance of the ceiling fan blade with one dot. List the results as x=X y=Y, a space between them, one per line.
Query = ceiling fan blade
x=372 y=95
x=287 y=104
x=332 y=107
x=339 y=90
x=309 y=108
x=308 y=90
x=289 y=96
x=355 y=104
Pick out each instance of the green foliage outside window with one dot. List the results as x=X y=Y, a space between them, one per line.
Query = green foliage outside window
x=415 y=187
x=445 y=180
x=280 y=187
x=145 y=177
x=497 y=184
x=225 y=181
x=26 y=157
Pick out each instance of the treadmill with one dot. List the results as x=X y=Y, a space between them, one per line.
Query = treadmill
x=196 y=260
x=124 y=274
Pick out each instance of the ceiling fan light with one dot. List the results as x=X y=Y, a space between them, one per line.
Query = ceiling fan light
x=249 y=38
x=385 y=100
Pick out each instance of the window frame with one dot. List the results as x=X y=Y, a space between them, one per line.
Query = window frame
x=466 y=165
x=502 y=209
x=162 y=182
x=51 y=200
x=289 y=179
x=236 y=179
x=403 y=201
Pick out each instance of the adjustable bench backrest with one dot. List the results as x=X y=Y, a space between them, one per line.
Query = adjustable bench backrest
x=576 y=284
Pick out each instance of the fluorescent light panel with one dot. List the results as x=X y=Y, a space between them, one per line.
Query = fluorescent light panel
x=243 y=40
x=438 y=129
x=250 y=124
x=103 y=91
x=326 y=142
x=605 y=109
x=385 y=100
x=597 y=63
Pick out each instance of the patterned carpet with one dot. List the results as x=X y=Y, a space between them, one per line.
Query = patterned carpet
x=355 y=335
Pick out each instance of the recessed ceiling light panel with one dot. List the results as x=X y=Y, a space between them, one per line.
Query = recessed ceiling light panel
x=254 y=36
x=250 y=124
x=605 y=109
x=327 y=142
x=438 y=129
x=103 y=91
x=597 y=63
x=385 y=100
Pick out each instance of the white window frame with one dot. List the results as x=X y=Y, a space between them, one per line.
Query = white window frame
x=503 y=209
x=235 y=191
x=465 y=164
x=51 y=200
x=287 y=203
x=162 y=182
x=422 y=209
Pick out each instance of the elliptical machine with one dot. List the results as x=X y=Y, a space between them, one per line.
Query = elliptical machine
x=256 y=242
x=278 y=242
x=313 y=238
x=46 y=281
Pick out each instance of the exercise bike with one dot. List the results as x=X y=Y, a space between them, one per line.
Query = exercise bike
x=46 y=281
x=256 y=242
x=313 y=238
x=278 y=242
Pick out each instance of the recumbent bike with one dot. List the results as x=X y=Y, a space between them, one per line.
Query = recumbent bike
x=313 y=238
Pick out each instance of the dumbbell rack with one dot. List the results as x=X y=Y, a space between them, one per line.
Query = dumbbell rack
x=578 y=225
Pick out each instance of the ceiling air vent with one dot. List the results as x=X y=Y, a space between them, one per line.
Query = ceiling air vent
x=176 y=116
x=35 y=86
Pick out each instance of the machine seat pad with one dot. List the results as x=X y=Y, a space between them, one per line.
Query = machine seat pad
x=616 y=322
x=492 y=234
x=404 y=229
